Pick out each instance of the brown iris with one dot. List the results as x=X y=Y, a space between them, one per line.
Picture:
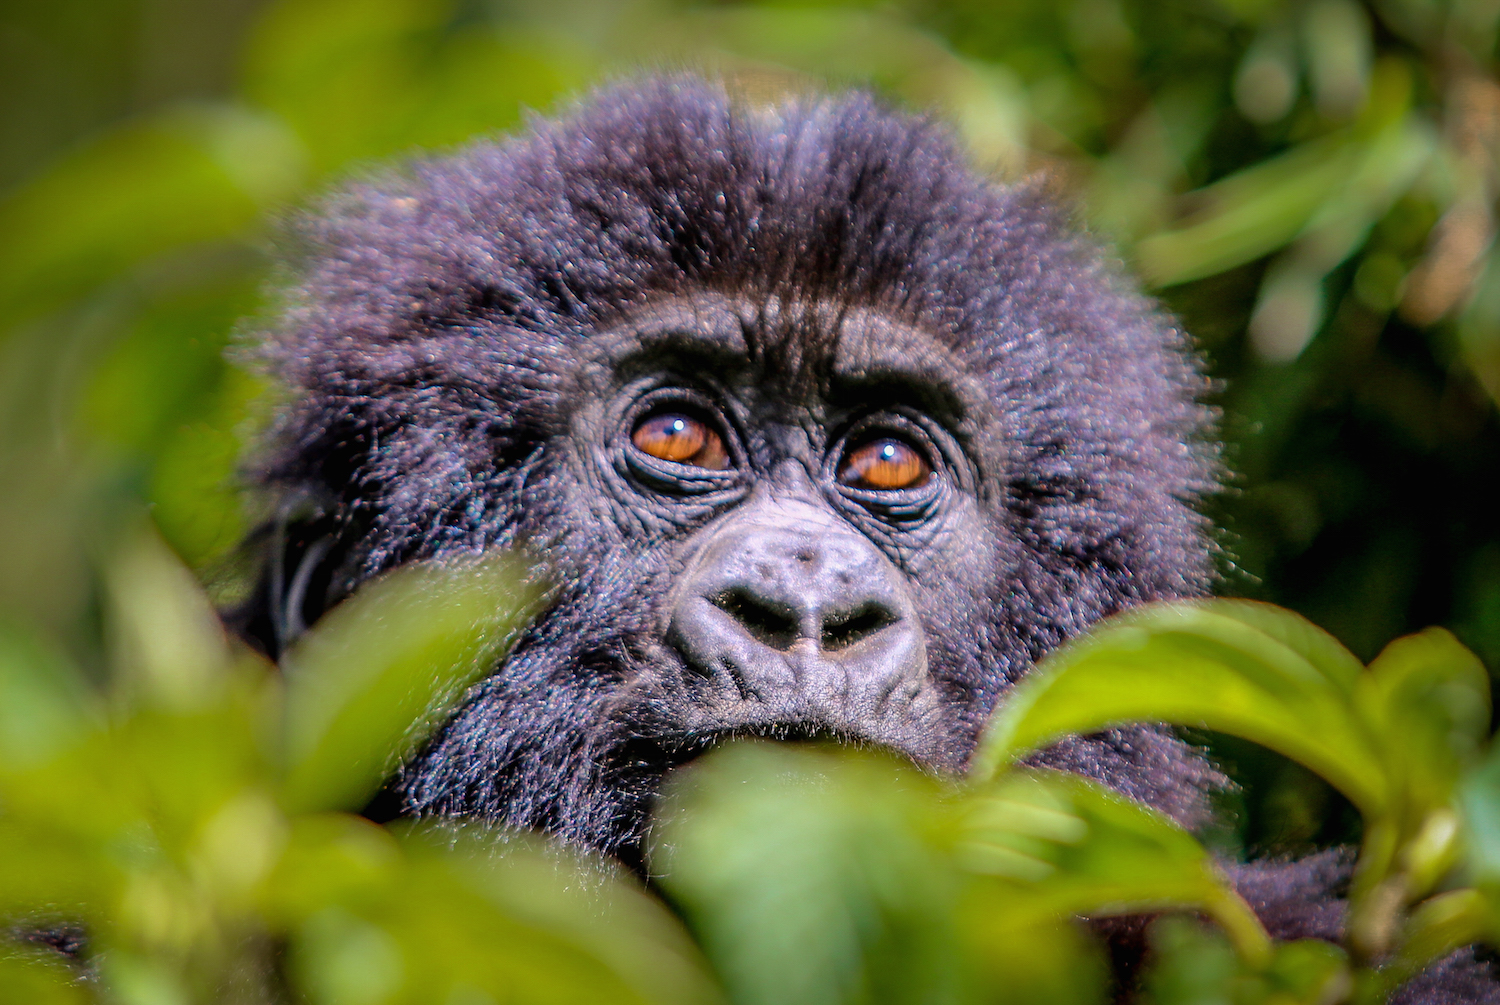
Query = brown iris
x=884 y=464
x=673 y=436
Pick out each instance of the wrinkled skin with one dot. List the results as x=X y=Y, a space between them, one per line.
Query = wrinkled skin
x=480 y=351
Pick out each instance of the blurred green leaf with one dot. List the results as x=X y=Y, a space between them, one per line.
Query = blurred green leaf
x=176 y=179
x=31 y=979
x=812 y=877
x=1436 y=928
x=169 y=646
x=448 y=914
x=1078 y=848
x=1479 y=796
x=1194 y=966
x=1434 y=694
x=1325 y=193
x=365 y=685
x=44 y=704
x=364 y=78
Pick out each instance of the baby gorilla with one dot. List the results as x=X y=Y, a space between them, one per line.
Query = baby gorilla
x=816 y=432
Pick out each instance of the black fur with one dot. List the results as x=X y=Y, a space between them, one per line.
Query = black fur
x=448 y=343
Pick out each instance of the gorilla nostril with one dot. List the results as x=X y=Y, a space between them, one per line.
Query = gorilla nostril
x=772 y=625
x=840 y=631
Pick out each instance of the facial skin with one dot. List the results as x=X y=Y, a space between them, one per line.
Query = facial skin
x=802 y=590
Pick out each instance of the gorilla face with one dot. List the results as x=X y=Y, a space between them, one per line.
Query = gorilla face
x=812 y=520
x=815 y=432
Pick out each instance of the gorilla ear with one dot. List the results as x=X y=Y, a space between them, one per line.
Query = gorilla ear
x=296 y=559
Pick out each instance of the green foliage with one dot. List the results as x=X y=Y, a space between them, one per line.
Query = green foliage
x=1310 y=184
x=807 y=873
x=192 y=816
x=188 y=817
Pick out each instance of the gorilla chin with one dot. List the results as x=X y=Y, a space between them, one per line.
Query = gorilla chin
x=818 y=432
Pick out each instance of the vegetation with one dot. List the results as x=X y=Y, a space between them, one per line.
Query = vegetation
x=1310 y=185
x=196 y=821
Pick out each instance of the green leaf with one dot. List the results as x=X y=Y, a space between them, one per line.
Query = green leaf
x=169 y=645
x=589 y=905
x=1437 y=927
x=1069 y=846
x=814 y=876
x=1479 y=796
x=1325 y=193
x=1191 y=965
x=143 y=189
x=366 y=684
x=44 y=704
x=28 y=978
x=1251 y=213
x=444 y=914
x=370 y=78
x=1211 y=664
x=1434 y=694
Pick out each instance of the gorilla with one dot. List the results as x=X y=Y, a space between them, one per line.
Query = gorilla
x=817 y=432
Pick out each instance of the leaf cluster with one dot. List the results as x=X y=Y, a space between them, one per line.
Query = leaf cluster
x=194 y=820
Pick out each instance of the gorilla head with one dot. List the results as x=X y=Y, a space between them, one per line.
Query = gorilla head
x=816 y=432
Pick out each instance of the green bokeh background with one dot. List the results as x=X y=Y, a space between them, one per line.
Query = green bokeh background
x=1309 y=185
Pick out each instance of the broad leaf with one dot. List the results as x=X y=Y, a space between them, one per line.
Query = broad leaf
x=1211 y=664
x=1068 y=846
x=365 y=685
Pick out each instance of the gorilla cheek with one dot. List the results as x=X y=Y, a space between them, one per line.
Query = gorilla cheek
x=788 y=618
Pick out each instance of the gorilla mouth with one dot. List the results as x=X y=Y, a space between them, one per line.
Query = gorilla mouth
x=658 y=756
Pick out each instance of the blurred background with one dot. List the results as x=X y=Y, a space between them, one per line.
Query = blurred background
x=1310 y=186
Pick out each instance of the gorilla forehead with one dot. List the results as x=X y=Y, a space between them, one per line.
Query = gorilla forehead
x=800 y=357
x=674 y=187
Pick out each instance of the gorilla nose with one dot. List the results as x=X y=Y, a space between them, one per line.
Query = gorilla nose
x=788 y=615
x=788 y=593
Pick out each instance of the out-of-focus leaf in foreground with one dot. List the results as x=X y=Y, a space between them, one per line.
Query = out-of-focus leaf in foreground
x=823 y=876
x=383 y=667
x=1204 y=665
x=182 y=818
x=1396 y=738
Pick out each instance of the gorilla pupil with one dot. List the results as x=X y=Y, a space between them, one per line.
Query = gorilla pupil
x=672 y=436
x=885 y=464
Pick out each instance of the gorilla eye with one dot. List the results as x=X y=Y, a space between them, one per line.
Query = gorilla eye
x=673 y=436
x=884 y=464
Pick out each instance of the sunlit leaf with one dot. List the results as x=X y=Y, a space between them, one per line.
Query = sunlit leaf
x=1074 y=847
x=367 y=682
x=1197 y=664
x=813 y=877
x=44 y=704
